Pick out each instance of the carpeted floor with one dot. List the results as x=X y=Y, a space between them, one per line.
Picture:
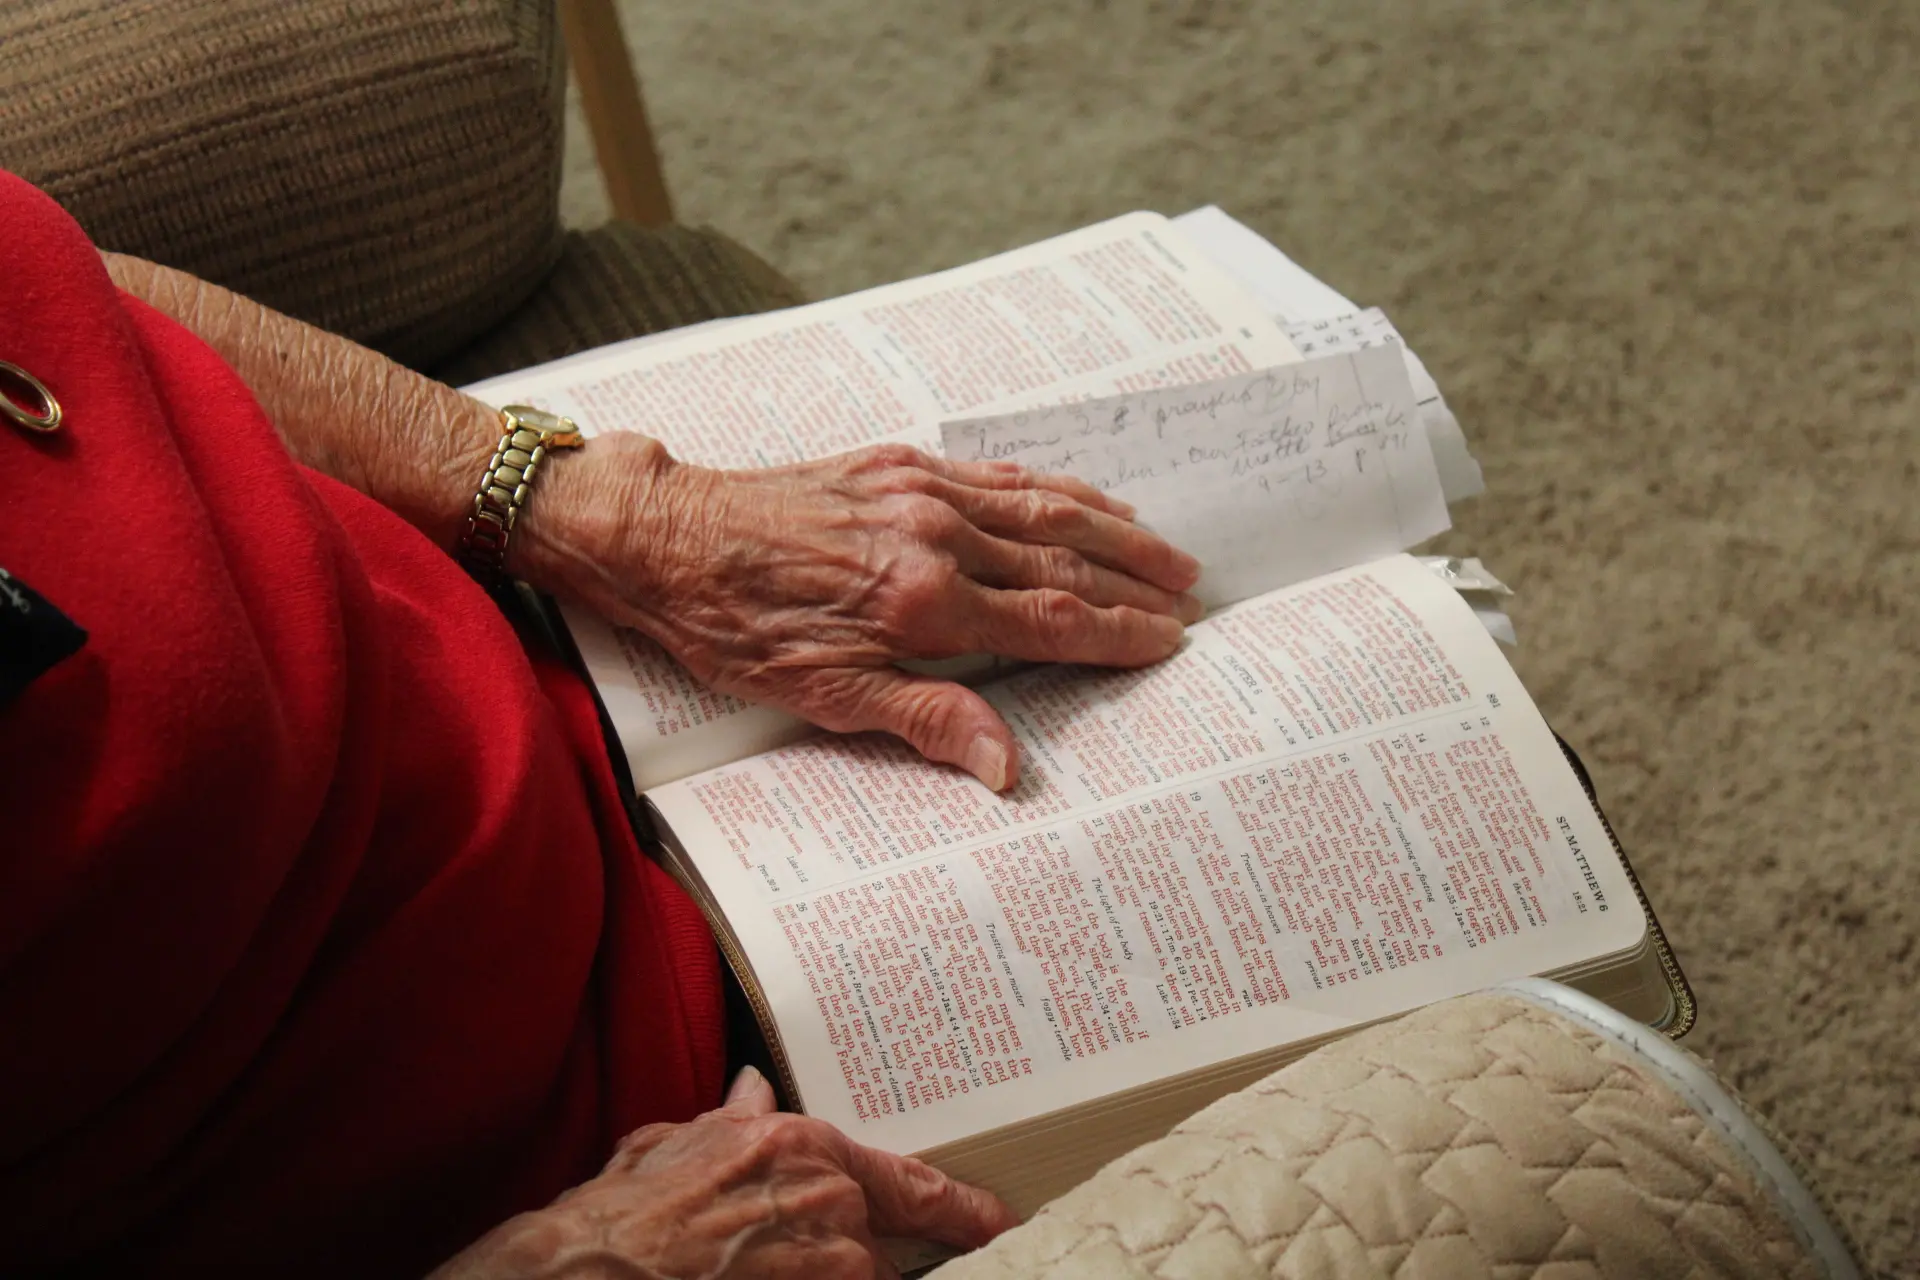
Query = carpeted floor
x=1662 y=256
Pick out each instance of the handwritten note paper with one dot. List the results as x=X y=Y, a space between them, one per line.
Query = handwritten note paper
x=1267 y=477
x=1459 y=473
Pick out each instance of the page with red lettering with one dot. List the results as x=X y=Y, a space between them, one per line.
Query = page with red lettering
x=1335 y=803
x=1118 y=306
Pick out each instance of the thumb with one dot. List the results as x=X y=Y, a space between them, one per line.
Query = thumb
x=749 y=1095
x=941 y=720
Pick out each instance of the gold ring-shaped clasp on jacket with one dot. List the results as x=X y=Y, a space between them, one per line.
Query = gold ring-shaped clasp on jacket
x=40 y=412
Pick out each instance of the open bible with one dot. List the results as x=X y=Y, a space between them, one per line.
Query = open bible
x=1335 y=803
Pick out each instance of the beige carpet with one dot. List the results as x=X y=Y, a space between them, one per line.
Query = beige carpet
x=1661 y=255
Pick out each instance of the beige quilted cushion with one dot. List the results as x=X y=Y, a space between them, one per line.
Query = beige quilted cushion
x=1480 y=1137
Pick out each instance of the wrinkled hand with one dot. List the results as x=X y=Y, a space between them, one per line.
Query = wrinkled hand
x=802 y=586
x=740 y=1192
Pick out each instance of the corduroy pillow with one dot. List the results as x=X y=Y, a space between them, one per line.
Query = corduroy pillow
x=388 y=169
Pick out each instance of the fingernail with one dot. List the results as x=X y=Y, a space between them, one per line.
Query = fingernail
x=1189 y=608
x=1125 y=510
x=1169 y=631
x=987 y=761
x=743 y=1084
x=1188 y=567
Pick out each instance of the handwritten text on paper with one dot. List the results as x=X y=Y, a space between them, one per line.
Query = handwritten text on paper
x=1268 y=478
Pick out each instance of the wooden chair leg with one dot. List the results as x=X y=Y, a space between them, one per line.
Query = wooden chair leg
x=616 y=115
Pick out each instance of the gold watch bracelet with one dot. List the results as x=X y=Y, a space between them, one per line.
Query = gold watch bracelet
x=528 y=436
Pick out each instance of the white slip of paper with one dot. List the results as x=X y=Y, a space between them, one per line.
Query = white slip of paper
x=1267 y=478
x=1317 y=316
x=1459 y=473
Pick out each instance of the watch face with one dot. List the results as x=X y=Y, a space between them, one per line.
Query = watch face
x=555 y=431
x=539 y=419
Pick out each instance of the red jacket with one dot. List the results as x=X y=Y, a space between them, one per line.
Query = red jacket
x=324 y=943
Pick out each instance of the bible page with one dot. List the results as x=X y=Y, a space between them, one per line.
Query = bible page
x=1119 y=306
x=1336 y=802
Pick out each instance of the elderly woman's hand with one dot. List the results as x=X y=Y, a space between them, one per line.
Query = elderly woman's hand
x=803 y=586
x=739 y=1192
x=800 y=586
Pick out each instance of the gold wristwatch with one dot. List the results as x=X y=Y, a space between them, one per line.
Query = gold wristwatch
x=529 y=434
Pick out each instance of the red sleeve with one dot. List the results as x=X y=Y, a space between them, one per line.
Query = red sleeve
x=323 y=941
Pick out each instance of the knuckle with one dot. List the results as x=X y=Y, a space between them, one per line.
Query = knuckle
x=795 y=1128
x=920 y=585
x=642 y=1140
x=636 y=1146
x=781 y=1134
x=924 y=1190
x=893 y=477
x=911 y=480
x=1056 y=512
x=881 y=457
x=924 y=518
x=1065 y=568
x=645 y=1136
x=1056 y=611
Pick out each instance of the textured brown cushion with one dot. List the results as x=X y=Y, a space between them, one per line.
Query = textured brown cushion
x=621 y=281
x=388 y=169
